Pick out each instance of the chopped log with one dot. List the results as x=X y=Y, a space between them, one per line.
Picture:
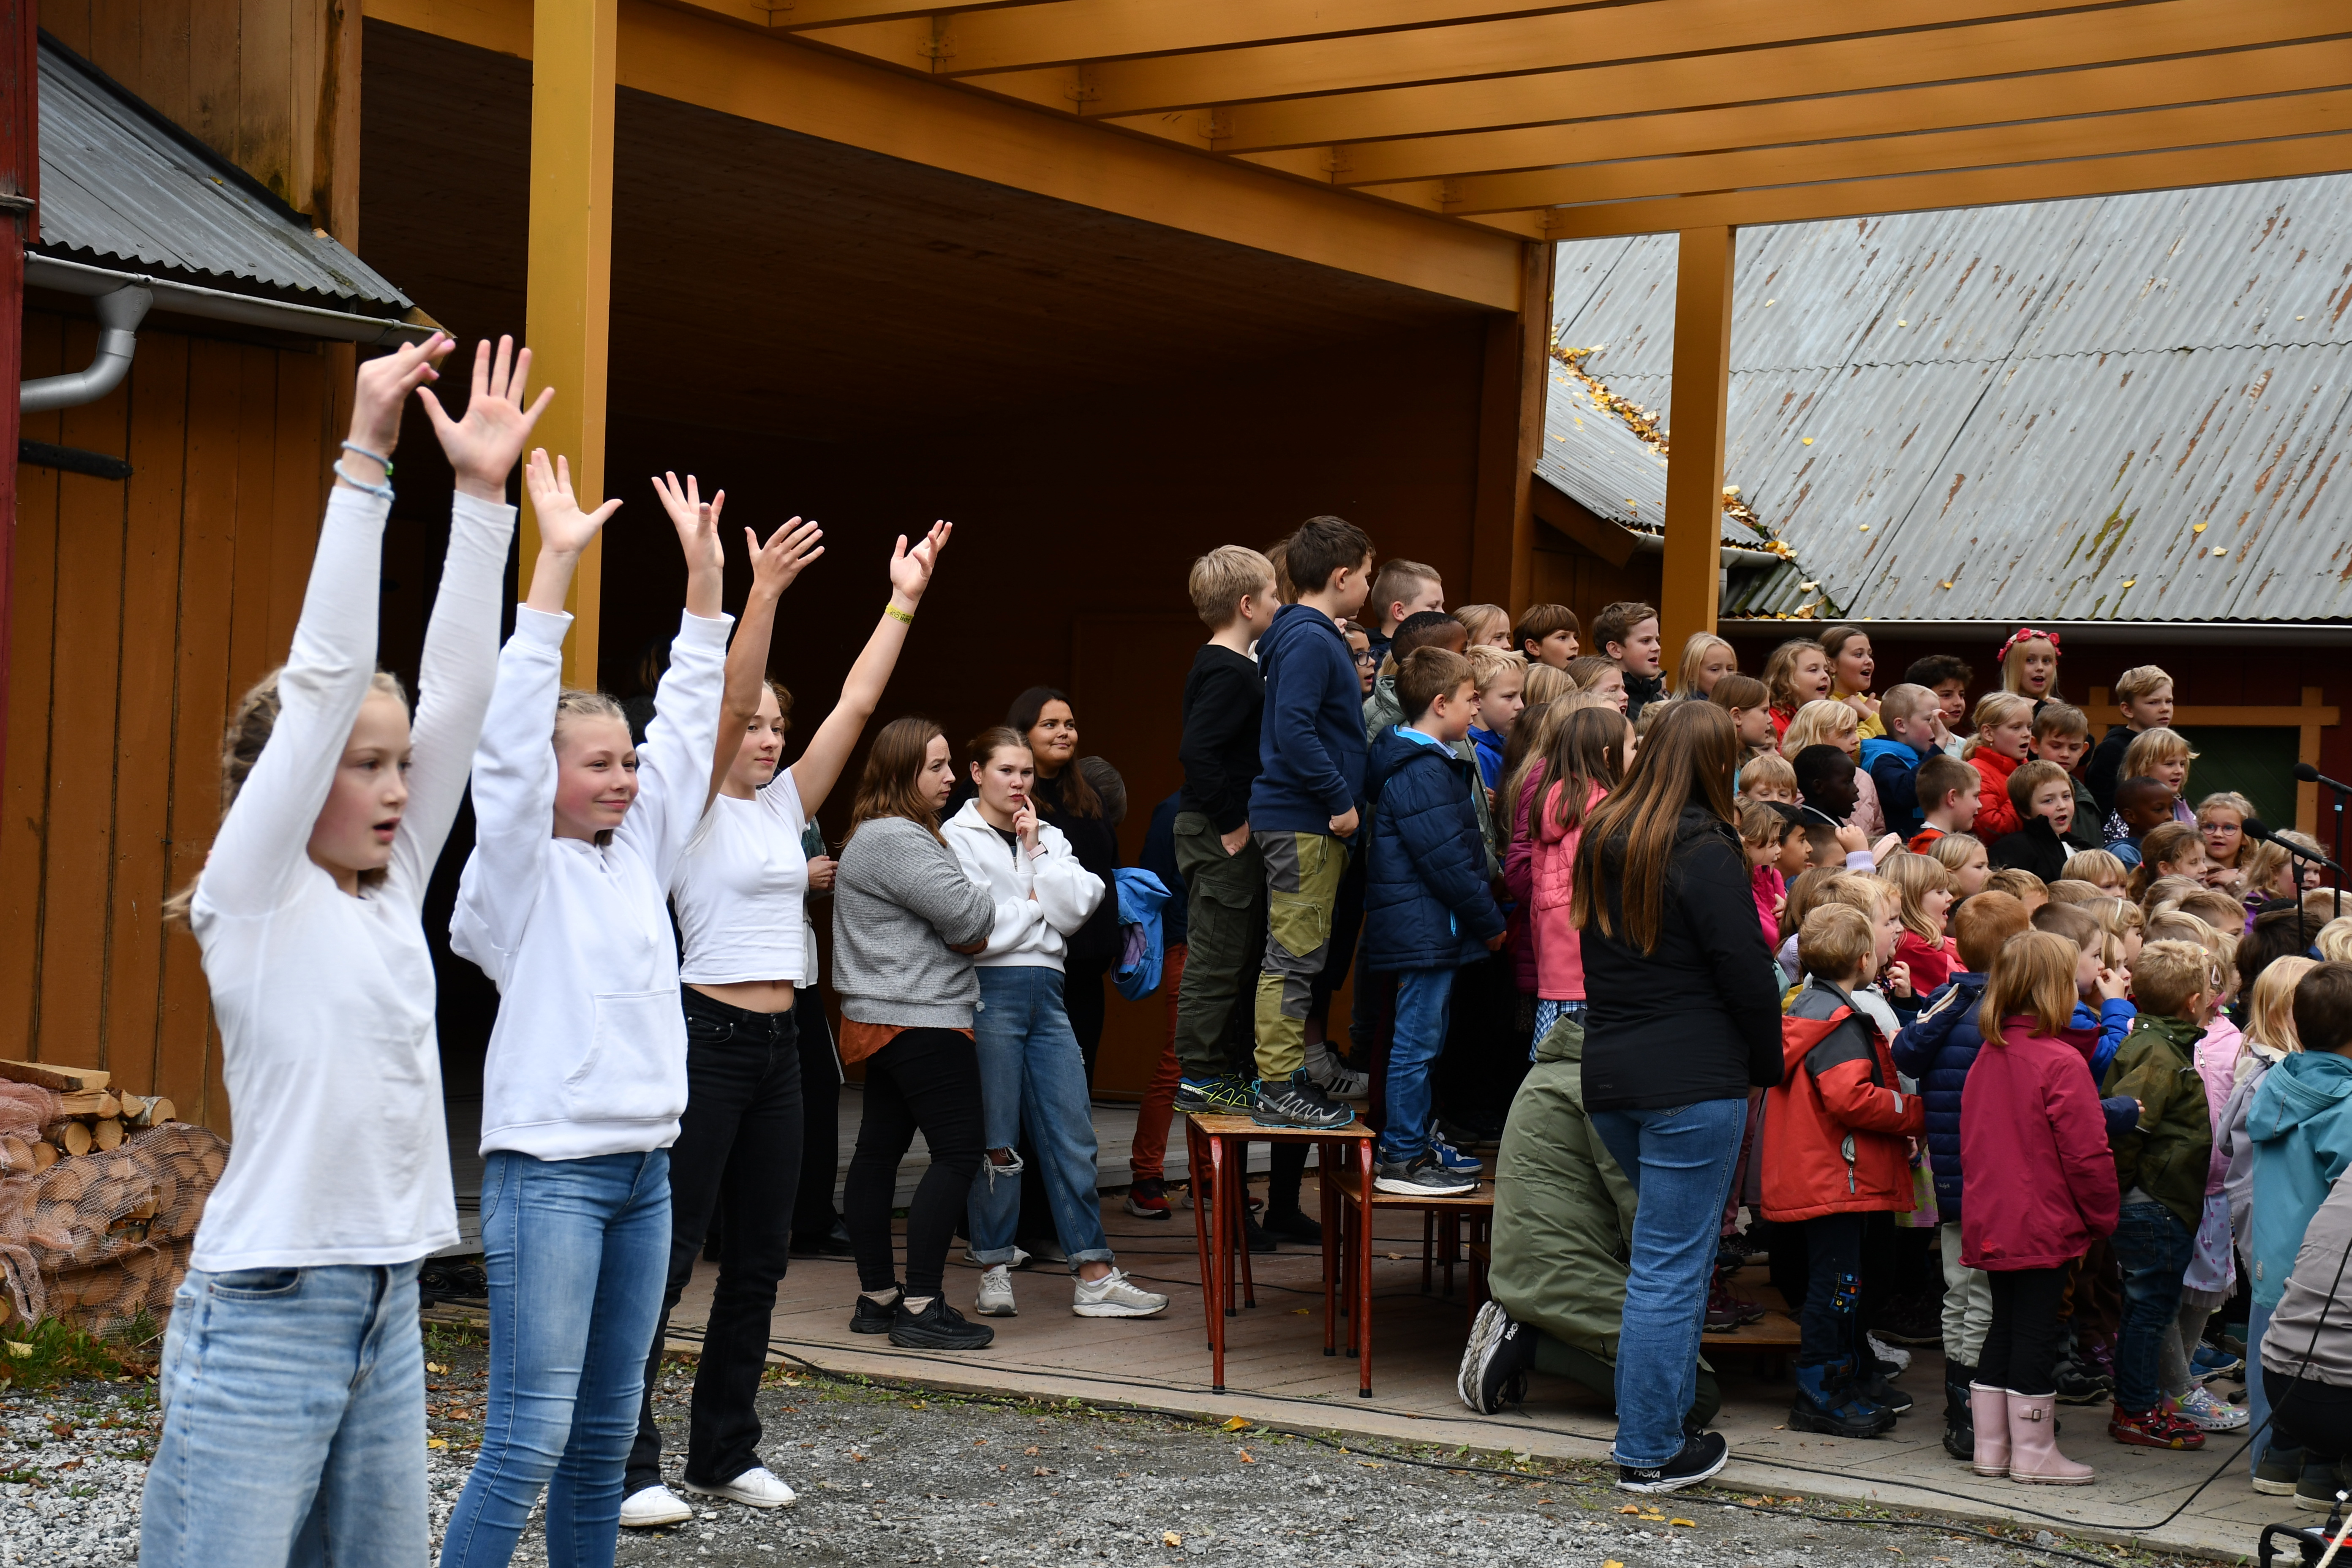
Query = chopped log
x=44 y=1154
x=47 y=1074
x=88 y=1102
x=18 y=1153
x=109 y=1103
x=157 y=1111
x=66 y=1182
x=133 y=1104
x=107 y=1133
x=73 y=1137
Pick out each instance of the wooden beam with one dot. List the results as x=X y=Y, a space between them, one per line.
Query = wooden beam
x=794 y=14
x=1692 y=584
x=1603 y=539
x=2051 y=45
x=1966 y=188
x=568 y=314
x=1510 y=438
x=2107 y=89
x=2037 y=142
x=1534 y=382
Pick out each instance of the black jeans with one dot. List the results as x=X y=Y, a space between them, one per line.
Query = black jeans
x=1832 y=1289
x=738 y=1154
x=2310 y=1415
x=812 y=1213
x=924 y=1080
x=2020 y=1347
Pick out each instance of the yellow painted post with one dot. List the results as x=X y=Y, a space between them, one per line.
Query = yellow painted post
x=1691 y=593
x=569 y=314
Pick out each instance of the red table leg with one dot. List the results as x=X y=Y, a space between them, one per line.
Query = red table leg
x=1327 y=1164
x=1361 y=1329
x=1218 y=1274
x=1197 y=1160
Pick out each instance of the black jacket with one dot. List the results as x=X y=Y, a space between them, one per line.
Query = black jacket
x=1699 y=1019
x=1426 y=903
x=1641 y=690
x=2038 y=849
x=1094 y=946
x=2107 y=762
x=1223 y=698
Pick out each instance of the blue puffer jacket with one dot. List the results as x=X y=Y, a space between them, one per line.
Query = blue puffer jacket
x=1936 y=1051
x=1426 y=903
x=1893 y=769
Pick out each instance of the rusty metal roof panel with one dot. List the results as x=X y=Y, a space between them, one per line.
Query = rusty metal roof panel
x=1593 y=458
x=122 y=187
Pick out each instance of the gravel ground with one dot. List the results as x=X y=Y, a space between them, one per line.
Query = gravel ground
x=908 y=1477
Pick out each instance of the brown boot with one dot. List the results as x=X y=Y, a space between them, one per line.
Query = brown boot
x=2033 y=1455
x=1988 y=1415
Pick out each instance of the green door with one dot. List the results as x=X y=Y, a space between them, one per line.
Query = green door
x=2258 y=764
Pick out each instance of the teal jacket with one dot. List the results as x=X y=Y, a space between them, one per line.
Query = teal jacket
x=2301 y=1126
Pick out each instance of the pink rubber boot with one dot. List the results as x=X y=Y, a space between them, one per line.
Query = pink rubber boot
x=1989 y=1413
x=2033 y=1445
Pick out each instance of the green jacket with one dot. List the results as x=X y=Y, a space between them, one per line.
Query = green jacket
x=2167 y=1155
x=1563 y=1211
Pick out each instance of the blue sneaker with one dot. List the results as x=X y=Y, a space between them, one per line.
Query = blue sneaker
x=2211 y=1360
x=1452 y=1159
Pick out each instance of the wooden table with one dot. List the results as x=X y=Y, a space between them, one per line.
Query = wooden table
x=1359 y=1200
x=1218 y=1146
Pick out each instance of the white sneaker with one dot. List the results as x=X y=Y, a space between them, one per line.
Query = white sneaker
x=650 y=1506
x=1327 y=1072
x=1894 y=1356
x=755 y=1488
x=2208 y=1412
x=1112 y=1297
x=996 y=1294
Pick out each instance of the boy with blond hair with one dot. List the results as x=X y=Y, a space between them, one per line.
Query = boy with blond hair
x=1501 y=676
x=2062 y=734
x=1911 y=718
x=2144 y=692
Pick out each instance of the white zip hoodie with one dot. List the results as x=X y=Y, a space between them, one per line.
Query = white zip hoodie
x=1028 y=930
x=588 y=1055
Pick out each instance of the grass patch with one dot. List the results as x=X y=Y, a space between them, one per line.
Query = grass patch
x=52 y=1352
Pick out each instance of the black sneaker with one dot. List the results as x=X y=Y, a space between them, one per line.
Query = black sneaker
x=1294 y=1101
x=1215 y=1097
x=1701 y=1457
x=2079 y=1384
x=1496 y=1363
x=1421 y=1177
x=2280 y=1469
x=2316 y=1487
x=873 y=1317
x=1294 y=1226
x=937 y=1327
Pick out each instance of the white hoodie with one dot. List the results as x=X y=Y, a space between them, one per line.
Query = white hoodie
x=1029 y=930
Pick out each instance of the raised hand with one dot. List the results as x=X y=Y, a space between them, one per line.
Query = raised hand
x=563 y=528
x=383 y=385
x=1851 y=838
x=910 y=570
x=789 y=550
x=697 y=522
x=483 y=446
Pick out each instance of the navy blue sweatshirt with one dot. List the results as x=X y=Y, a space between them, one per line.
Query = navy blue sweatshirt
x=1311 y=737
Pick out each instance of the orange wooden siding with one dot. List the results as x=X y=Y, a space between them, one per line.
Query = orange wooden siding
x=141 y=610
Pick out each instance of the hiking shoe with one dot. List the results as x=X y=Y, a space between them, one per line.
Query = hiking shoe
x=1215 y=1097
x=1147 y=1199
x=1421 y=1177
x=2213 y=1361
x=1873 y=1385
x=1293 y=1226
x=2207 y=1413
x=1495 y=1363
x=1703 y=1455
x=1917 y=1319
x=1256 y=1238
x=1828 y=1401
x=873 y=1317
x=649 y=1507
x=2079 y=1384
x=1894 y=1361
x=2278 y=1470
x=996 y=1294
x=1722 y=1316
x=1112 y=1296
x=755 y=1488
x=1294 y=1101
x=1455 y=1160
x=1335 y=1078
x=937 y=1327
x=2157 y=1428
x=2317 y=1485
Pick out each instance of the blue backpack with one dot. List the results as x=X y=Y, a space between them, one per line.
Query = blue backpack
x=1143 y=946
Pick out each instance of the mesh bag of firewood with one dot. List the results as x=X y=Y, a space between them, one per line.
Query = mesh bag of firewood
x=101 y=1237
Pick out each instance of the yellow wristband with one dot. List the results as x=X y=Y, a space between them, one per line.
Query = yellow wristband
x=895 y=614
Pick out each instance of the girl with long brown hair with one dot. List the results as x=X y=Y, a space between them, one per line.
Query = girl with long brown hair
x=1683 y=1019
x=1589 y=753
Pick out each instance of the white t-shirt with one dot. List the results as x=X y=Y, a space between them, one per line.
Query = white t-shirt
x=741 y=890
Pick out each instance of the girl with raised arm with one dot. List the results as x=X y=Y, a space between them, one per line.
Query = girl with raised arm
x=563 y=904
x=739 y=894
x=293 y=1377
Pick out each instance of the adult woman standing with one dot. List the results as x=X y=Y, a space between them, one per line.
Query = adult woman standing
x=739 y=893
x=1683 y=1019
x=1066 y=798
x=905 y=921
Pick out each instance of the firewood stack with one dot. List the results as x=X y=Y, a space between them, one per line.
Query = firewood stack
x=99 y=1196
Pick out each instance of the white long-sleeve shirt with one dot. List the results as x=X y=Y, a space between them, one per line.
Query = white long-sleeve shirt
x=588 y=1055
x=1040 y=899
x=325 y=1001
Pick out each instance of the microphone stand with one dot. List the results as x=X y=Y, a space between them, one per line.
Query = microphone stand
x=2304 y=855
x=2310 y=774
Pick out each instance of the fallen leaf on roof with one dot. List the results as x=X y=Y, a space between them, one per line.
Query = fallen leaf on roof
x=1807 y=440
x=2221 y=549
x=1865 y=528
x=2129 y=580
x=2198 y=529
x=1902 y=324
x=1942 y=584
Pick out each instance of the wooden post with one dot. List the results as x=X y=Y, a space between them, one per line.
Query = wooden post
x=1510 y=434
x=568 y=318
x=20 y=178
x=1691 y=591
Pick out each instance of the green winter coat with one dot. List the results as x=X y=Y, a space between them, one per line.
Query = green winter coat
x=2167 y=1154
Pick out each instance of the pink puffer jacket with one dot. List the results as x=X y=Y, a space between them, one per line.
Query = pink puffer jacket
x=1518 y=878
x=1559 y=953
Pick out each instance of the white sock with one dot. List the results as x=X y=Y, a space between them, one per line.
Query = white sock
x=881 y=1298
x=918 y=1304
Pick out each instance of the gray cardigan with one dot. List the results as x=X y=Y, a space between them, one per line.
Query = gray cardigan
x=900 y=898
x=2314 y=1313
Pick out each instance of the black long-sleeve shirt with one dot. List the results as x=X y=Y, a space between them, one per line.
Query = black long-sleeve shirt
x=1223 y=698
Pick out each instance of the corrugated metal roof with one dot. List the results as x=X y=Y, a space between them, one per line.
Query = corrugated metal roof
x=120 y=185
x=2023 y=411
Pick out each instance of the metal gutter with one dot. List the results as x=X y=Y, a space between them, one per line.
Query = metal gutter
x=219 y=305
x=1655 y=544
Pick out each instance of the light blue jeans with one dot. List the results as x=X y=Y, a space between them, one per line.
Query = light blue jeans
x=1031 y=1076
x=293 y=1418
x=1680 y=1161
x=577 y=1251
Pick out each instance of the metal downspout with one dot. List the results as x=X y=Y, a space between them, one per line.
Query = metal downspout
x=118 y=315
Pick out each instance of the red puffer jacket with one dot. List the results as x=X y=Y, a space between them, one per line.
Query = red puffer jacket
x=1996 y=812
x=1834 y=1128
x=2037 y=1177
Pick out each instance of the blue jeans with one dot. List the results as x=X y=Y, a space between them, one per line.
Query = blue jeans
x=293 y=1416
x=2258 y=1397
x=1680 y=1161
x=1424 y=997
x=1032 y=1075
x=2152 y=1246
x=576 y=1251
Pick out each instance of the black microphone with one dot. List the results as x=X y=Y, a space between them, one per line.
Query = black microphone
x=2259 y=831
x=2310 y=774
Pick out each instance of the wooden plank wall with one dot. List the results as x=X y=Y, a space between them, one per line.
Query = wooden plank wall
x=142 y=610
